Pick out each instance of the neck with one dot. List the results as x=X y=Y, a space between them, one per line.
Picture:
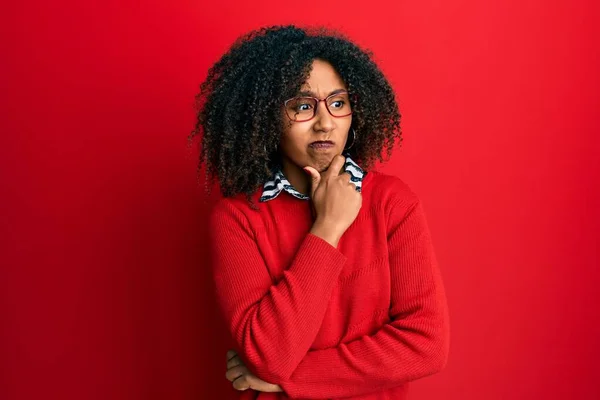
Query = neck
x=299 y=179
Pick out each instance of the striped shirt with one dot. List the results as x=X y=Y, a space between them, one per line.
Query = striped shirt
x=279 y=182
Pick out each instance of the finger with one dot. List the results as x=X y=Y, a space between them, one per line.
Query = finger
x=258 y=384
x=347 y=177
x=241 y=383
x=235 y=372
x=315 y=178
x=234 y=362
x=230 y=354
x=336 y=166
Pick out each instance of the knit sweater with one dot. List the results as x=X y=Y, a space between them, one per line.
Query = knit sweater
x=357 y=321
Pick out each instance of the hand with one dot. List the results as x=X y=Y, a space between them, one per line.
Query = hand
x=243 y=379
x=335 y=200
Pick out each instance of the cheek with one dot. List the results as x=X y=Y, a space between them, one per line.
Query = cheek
x=295 y=135
x=348 y=123
x=292 y=140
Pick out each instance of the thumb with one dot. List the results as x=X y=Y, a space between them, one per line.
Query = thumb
x=315 y=177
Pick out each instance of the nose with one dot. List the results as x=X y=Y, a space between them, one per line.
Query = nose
x=323 y=120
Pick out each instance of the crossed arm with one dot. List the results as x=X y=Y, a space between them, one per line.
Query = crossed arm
x=413 y=344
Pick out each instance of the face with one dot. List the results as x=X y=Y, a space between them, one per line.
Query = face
x=317 y=141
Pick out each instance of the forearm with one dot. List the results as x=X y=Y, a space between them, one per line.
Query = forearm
x=399 y=352
x=275 y=333
x=273 y=325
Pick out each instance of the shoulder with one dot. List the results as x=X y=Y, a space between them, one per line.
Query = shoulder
x=389 y=190
x=236 y=208
x=392 y=196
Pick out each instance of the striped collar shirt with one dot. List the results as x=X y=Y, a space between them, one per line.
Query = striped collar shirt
x=278 y=182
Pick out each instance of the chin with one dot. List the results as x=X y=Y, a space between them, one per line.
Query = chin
x=323 y=165
x=322 y=162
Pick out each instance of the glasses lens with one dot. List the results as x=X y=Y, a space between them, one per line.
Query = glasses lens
x=303 y=108
x=300 y=108
x=339 y=105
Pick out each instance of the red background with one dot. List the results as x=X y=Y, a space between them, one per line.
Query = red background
x=104 y=288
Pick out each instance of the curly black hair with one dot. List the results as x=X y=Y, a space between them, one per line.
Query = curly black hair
x=239 y=105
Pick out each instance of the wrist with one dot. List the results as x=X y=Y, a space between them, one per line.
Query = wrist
x=326 y=231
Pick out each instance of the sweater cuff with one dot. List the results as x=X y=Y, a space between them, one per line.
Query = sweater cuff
x=317 y=252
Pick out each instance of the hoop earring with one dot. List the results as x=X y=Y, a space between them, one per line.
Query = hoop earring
x=353 y=140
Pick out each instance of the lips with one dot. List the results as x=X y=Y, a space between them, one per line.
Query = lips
x=321 y=144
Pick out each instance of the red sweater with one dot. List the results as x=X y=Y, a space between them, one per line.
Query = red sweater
x=359 y=321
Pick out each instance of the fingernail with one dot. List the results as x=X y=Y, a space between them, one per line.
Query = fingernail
x=307 y=171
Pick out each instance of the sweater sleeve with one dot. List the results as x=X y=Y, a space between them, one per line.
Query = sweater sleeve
x=412 y=345
x=273 y=324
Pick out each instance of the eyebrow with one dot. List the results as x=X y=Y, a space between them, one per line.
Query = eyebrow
x=312 y=94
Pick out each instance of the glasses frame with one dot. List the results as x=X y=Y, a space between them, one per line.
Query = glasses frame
x=317 y=100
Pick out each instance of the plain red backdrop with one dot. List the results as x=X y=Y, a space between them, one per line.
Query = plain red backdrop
x=104 y=286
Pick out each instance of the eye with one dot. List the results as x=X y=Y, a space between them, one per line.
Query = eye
x=337 y=104
x=303 y=106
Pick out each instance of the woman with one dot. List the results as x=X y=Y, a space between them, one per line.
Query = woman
x=324 y=268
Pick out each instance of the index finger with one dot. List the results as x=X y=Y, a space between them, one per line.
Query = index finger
x=336 y=166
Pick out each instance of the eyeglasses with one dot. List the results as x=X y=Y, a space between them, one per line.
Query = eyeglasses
x=301 y=109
